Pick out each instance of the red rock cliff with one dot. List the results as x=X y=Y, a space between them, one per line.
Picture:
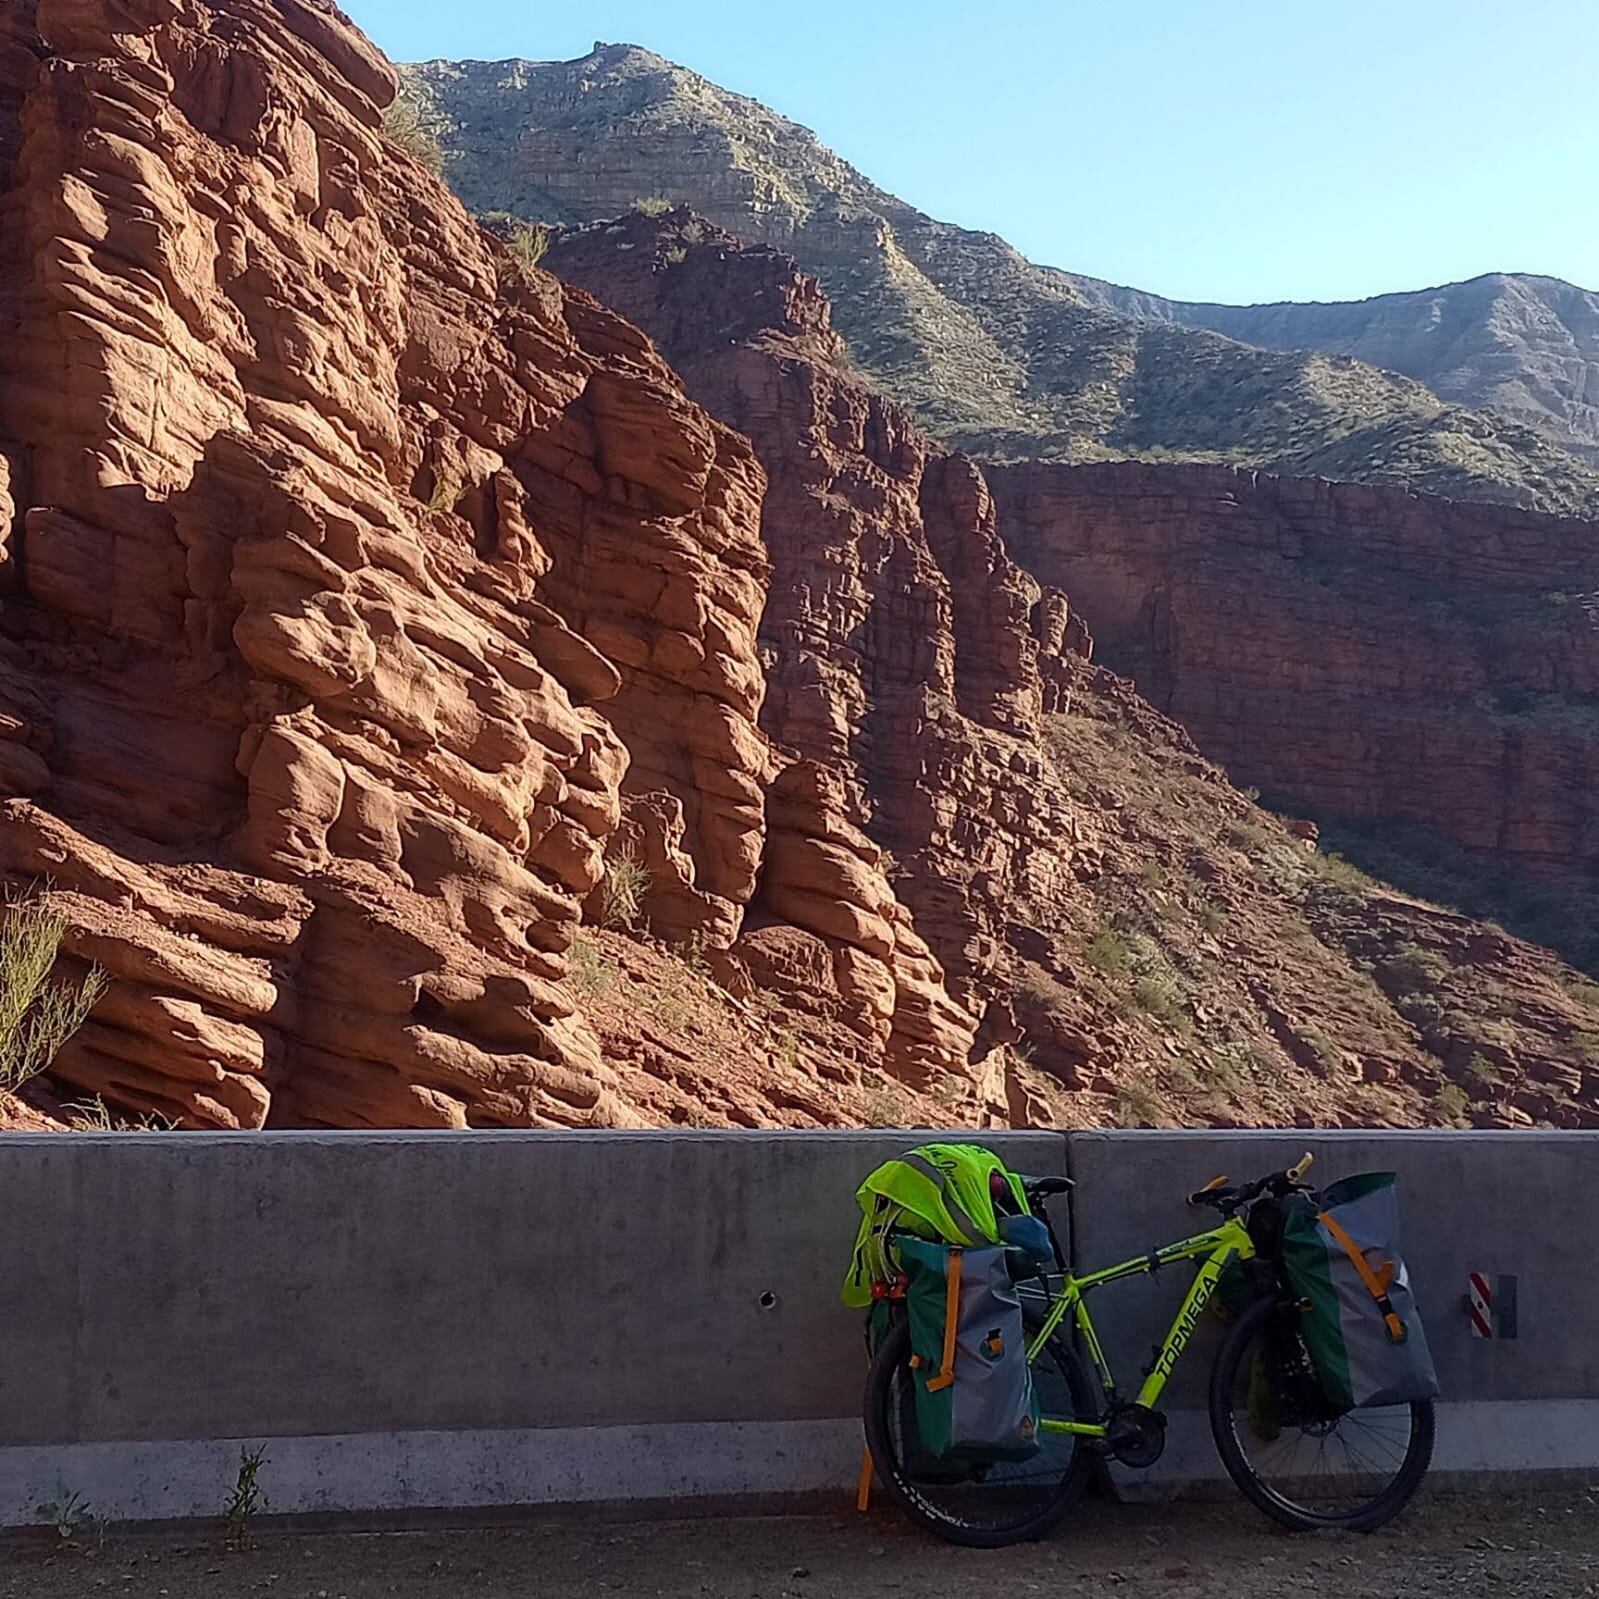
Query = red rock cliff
x=358 y=578
x=905 y=651
x=1355 y=650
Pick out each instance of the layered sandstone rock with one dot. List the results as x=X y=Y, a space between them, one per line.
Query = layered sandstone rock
x=1351 y=649
x=1138 y=938
x=360 y=579
x=903 y=646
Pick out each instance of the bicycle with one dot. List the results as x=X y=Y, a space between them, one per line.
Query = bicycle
x=1292 y=1454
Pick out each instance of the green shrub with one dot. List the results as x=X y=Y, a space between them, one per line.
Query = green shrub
x=622 y=889
x=586 y=968
x=653 y=205
x=1414 y=969
x=1157 y=994
x=880 y=1107
x=37 y=1015
x=1451 y=1104
x=404 y=128
x=1137 y=1104
x=1109 y=952
x=528 y=242
x=1325 y=1055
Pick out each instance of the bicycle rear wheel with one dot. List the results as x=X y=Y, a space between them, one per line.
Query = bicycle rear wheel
x=981 y=1506
x=1301 y=1461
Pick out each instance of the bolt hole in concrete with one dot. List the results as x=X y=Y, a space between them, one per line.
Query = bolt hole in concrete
x=768 y=1300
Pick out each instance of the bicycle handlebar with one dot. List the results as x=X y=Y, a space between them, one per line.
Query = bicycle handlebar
x=1228 y=1199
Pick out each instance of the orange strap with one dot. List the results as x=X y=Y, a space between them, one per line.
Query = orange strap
x=1376 y=1281
x=952 y=1309
x=863 y=1489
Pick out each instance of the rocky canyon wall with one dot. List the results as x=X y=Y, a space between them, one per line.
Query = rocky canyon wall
x=1349 y=649
x=363 y=588
x=905 y=651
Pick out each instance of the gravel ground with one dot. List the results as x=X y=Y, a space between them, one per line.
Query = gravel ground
x=1511 y=1546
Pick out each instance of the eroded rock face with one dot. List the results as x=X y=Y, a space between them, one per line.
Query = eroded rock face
x=1353 y=649
x=303 y=717
x=907 y=655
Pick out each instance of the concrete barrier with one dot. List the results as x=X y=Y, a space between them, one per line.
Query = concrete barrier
x=1504 y=1204
x=452 y=1321
x=427 y=1321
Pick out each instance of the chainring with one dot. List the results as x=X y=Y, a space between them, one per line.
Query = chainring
x=1135 y=1434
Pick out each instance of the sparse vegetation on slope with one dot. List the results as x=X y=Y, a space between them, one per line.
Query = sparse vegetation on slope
x=992 y=353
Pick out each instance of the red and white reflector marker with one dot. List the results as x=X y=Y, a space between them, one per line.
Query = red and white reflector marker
x=1480 y=1305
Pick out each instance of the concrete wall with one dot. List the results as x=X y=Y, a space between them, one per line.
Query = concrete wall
x=442 y=1321
x=1499 y=1203
x=431 y=1320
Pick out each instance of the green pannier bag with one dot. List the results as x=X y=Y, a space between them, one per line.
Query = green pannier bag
x=1341 y=1255
x=941 y=1192
x=972 y=1385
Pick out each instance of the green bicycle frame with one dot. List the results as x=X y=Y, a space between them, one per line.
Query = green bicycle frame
x=1215 y=1250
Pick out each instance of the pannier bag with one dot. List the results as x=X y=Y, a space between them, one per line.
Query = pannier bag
x=1360 y=1323
x=972 y=1385
x=942 y=1192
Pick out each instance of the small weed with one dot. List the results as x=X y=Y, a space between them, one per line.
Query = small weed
x=1154 y=874
x=652 y=205
x=1451 y=1104
x=622 y=889
x=93 y=1115
x=676 y=255
x=246 y=1501
x=1137 y=1104
x=1480 y=1072
x=786 y=1051
x=1109 y=952
x=68 y=1513
x=1213 y=918
x=527 y=243
x=1251 y=794
x=881 y=1107
x=586 y=968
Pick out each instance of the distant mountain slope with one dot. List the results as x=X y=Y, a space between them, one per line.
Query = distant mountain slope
x=993 y=353
x=1524 y=347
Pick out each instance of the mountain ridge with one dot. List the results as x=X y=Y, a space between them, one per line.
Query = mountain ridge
x=1521 y=355
x=991 y=353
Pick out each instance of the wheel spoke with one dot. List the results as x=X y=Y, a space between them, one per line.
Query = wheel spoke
x=1300 y=1459
x=983 y=1502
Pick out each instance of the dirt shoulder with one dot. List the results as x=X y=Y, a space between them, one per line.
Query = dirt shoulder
x=1513 y=1546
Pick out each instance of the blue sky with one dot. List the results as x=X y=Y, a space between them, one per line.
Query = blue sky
x=1204 y=149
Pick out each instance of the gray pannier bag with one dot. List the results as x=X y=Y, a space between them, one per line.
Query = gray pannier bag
x=1357 y=1313
x=972 y=1385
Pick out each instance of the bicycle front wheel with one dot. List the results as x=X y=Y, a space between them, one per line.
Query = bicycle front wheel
x=983 y=1506
x=1294 y=1456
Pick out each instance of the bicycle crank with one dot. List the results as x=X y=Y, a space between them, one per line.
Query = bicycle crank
x=1135 y=1435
